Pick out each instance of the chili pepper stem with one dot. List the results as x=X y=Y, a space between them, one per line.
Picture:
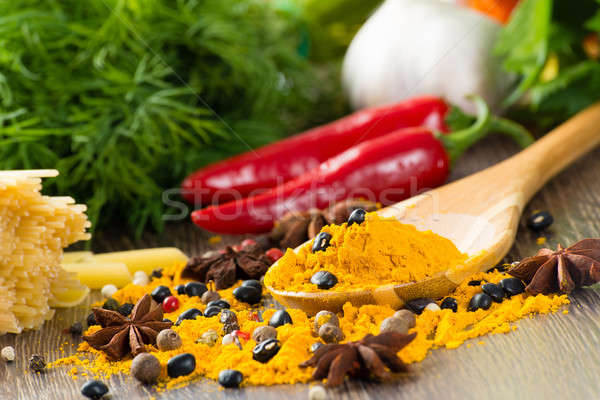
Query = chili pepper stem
x=457 y=142
x=511 y=129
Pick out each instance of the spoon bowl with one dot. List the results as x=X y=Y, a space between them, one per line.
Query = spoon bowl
x=479 y=214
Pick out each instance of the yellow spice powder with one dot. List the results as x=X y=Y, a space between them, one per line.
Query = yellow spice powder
x=434 y=329
x=377 y=252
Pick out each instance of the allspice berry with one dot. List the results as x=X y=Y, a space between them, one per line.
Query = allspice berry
x=209 y=296
x=263 y=333
x=145 y=368
x=396 y=325
x=168 y=339
x=325 y=317
x=330 y=333
x=408 y=316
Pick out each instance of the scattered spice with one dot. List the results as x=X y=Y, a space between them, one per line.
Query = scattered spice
x=37 y=363
x=443 y=328
x=364 y=256
x=121 y=335
x=361 y=359
x=225 y=269
x=295 y=228
x=562 y=270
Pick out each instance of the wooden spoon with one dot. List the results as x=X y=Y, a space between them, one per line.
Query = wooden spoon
x=479 y=213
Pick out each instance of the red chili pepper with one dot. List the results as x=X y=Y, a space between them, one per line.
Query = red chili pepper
x=386 y=169
x=274 y=164
x=241 y=334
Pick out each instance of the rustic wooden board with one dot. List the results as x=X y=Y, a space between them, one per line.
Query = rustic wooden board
x=549 y=356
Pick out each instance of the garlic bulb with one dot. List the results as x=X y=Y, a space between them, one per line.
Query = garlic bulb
x=415 y=47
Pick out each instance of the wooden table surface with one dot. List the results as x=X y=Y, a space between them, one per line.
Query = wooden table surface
x=547 y=357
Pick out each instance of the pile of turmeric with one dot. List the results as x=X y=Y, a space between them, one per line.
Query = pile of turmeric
x=435 y=329
x=376 y=252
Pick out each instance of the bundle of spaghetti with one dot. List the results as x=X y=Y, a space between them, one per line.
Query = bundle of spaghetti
x=34 y=230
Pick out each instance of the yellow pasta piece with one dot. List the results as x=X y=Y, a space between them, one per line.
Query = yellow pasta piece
x=34 y=229
x=76 y=256
x=95 y=274
x=145 y=260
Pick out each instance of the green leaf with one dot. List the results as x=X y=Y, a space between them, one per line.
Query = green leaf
x=127 y=97
x=523 y=43
x=573 y=90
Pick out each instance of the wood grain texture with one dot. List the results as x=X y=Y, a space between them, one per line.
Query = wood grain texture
x=549 y=356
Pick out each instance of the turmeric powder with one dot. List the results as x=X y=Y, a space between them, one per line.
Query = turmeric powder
x=434 y=329
x=377 y=252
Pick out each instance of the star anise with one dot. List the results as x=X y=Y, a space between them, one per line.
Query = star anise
x=295 y=228
x=365 y=358
x=122 y=335
x=562 y=270
x=225 y=269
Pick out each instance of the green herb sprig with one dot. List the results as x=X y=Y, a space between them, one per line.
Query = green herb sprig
x=544 y=30
x=125 y=97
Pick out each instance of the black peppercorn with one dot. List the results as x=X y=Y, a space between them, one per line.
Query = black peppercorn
x=181 y=364
x=76 y=328
x=357 y=217
x=180 y=289
x=94 y=389
x=449 y=303
x=195 y=289
x=324 y=280
x=266 y=350
x=160 y=293
x=540 y=220
x=512 y=286
x=91 y=319
x=253 y=283
x=247 y=294
x=191 y=313
x=111 y=304
x=125 y=309
x=418 y=305
x=279 y=318
x=321 y=242
x=157 y=273
x=494 y=291
x=212 y=311
x=219 y=303
x=480 y=300
x=230 y=378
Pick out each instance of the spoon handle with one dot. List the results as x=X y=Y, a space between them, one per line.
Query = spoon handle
x=556 y=150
